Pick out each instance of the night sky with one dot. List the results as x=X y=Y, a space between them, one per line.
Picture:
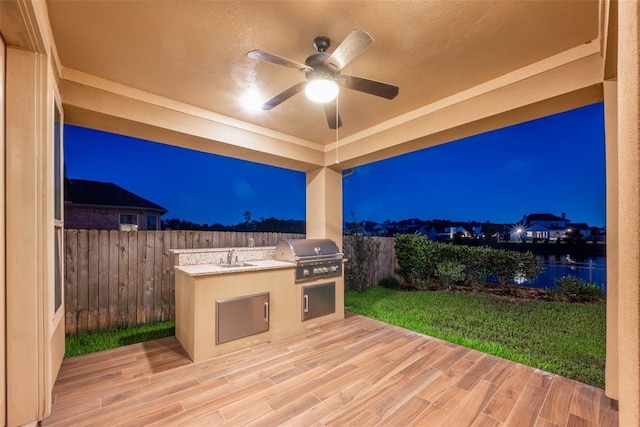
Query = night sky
x=551 y=165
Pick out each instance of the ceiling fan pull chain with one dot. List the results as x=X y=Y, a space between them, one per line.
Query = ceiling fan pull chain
x=337 y=138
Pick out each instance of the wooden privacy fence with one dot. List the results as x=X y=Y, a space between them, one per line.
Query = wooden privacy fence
x=119 y=279
x=385 y=263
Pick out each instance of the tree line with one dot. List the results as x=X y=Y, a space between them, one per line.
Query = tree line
x=270 y=224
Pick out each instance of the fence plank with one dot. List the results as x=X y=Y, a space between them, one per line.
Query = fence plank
x=216 y=239
x=188 y=243
x=93 y=291
x=140 y=281
x=182 y=240
x=165 y=298
x=132 y=279
x=123 y=278
x=113 y=279
x=71 y=282
x=157 y=275
x=83 y=277
x=103 y=280
x=147 y=301
x=225 y=239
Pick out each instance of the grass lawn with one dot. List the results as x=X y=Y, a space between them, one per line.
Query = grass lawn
x=563 y=338
x=98 y=341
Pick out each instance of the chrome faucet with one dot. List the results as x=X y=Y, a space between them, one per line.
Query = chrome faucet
x=231 y=255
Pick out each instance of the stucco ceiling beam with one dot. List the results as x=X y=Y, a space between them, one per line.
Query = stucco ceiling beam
x=526 y=113
x=609 y=29
x=552 y=90
x=114 y=112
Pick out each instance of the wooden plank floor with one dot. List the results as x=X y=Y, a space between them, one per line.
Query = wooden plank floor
x=357 y=372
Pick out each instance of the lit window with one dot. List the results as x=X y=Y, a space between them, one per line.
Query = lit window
x=128 y=222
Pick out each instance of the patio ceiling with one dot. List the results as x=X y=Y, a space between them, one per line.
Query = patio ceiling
x=191 y=55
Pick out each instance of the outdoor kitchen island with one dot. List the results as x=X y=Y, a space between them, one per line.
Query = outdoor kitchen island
x=231 y=298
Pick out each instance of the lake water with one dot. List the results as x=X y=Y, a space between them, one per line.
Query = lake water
x=591 y=270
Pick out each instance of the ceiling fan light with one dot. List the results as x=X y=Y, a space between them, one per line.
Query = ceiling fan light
x=321 y=90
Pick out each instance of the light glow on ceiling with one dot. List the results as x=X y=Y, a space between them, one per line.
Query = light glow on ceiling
x=252 y=99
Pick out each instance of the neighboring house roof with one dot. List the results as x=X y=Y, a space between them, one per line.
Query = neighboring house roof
x=544 y=217
x=579 y=225
x=96 y=193
x=537 y=227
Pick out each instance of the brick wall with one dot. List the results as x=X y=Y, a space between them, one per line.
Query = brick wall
x=93 y=218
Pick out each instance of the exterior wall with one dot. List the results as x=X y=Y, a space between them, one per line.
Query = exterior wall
x=611 y=130
x=99 y=218
x=34 y=333
x=24 y=304
x=629 y=212
x=26 y=353
x=3 y=284
x=550 y=224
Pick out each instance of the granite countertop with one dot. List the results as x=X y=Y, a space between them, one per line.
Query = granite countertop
x=217 y=250
x=253 y=265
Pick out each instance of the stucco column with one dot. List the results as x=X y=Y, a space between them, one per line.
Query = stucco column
x=629 y=211
x=26 y=103
x=324 y=205
x=611 y=131
x=3 y=284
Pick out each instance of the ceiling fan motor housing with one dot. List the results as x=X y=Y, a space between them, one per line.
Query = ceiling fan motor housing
x=321 y=43
x=320 y=70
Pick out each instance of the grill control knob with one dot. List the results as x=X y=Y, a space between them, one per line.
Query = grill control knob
x=334 y=268
x=305 y=272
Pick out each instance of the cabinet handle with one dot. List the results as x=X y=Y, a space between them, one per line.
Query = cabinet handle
x=306 y=303
x=266 y=312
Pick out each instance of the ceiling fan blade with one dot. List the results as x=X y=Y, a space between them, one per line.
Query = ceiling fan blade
x=330 y=113
x=283 y=96
x=356 y=42
x=277 y=59
x=383 y=90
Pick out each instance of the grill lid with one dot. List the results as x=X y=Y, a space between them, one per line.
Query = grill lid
x=306 y=249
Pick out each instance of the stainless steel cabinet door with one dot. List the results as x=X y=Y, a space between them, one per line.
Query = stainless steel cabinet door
x=318 y=300
x=241 y=316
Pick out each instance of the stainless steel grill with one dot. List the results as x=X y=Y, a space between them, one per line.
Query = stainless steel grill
x=314 y=258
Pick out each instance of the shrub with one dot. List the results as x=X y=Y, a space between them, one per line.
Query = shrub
x=570 y=285
x=449 y=272
x=477 y=262
x=362 y=253
x=507 y=265
x=389 y=283
x=418 y=258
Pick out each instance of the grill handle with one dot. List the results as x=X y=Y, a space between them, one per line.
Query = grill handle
x=299 y=259
x=266 y=312
x=306 y=303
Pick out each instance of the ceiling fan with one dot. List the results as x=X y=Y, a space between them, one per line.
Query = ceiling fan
x=324 y=78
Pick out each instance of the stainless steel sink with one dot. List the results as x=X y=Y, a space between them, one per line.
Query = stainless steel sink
x=237 y=265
